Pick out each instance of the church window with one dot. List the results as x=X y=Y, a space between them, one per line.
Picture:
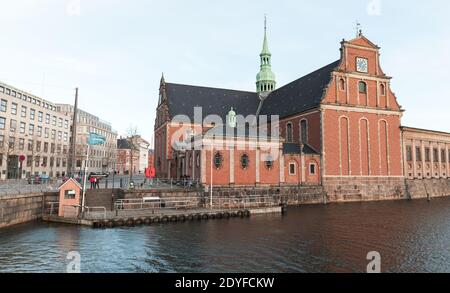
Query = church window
x=289 y=133
x=383 y=89
x=304 y=131
x=292 y=168
x=342 y=84
x=362 y=87
x=245 y=161
x=218 y=160
x=312 y=169
x=443 y=156
x=269 y=162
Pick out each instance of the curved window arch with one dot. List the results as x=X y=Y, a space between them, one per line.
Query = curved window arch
x=362 y=87
x=289 y=132
x=218 y=160
x=342 y=84
x=312 y=168
x=304 y=131
x=245 y=161
x=292 y=168
x=269 y=162
x=382 y=89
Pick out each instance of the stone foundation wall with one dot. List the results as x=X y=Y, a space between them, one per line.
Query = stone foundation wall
x=357 y=189
x=291 y=195
x=18 y=209
x=421 y=188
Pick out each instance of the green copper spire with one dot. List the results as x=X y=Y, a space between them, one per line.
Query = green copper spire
x=265 y=80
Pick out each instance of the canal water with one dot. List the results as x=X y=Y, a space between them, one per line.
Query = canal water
x=411 y=236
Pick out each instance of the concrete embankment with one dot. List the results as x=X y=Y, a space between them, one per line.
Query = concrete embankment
x=167 y=217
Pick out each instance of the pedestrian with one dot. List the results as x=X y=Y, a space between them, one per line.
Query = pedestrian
x=97 y=183
x=92 y=180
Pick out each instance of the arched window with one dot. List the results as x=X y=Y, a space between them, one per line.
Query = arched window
x=312 y=168
x=269 y=162
x=382 y=89
x=218 y=160
x=292 y=168
x=362 y=87
x=304 y=131
x=342 y=84
x=245 y=161
x=289 y=133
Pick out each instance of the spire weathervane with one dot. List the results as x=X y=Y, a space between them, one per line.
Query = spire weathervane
x=265 y=23
x=358 y=29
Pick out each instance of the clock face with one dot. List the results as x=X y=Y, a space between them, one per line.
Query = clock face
x=362 y=65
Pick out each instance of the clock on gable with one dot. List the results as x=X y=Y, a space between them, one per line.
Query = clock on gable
x=362 y=65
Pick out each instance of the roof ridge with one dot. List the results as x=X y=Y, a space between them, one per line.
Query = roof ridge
x=311 y=73
x=208 y=87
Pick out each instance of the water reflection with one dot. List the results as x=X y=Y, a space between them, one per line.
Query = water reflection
x=412 y=236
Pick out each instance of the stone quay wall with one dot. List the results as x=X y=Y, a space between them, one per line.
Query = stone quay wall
x=424 y=188
x=359 y=189
x=18 y=209
x=291 y=195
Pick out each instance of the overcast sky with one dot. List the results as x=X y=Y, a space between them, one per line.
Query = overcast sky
x=116 y=50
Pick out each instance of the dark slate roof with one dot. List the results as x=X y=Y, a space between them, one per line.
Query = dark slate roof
x=247 y=131
x=214 y=101
x=295 y=149
x=301 y=95
x=123 y=144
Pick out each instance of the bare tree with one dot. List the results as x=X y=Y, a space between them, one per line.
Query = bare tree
x=133 y=139
x=8 y=149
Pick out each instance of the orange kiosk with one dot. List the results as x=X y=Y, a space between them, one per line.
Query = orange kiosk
x=70 y=199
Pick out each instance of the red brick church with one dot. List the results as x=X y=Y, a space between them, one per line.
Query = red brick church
x=339 y=127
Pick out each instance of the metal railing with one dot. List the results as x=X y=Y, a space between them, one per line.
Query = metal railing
x=95 y=213
x=28 y=186
x=157 y=204
x=245 y=202
x=144 y=183
x=51 y=208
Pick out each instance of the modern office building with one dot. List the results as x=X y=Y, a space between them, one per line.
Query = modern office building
x=33 y=130
x=102 y=158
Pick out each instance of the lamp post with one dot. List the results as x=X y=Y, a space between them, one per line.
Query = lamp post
x=212 y=157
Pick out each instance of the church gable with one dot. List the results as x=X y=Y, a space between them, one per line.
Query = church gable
x=362 y=41
x=359 y=79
